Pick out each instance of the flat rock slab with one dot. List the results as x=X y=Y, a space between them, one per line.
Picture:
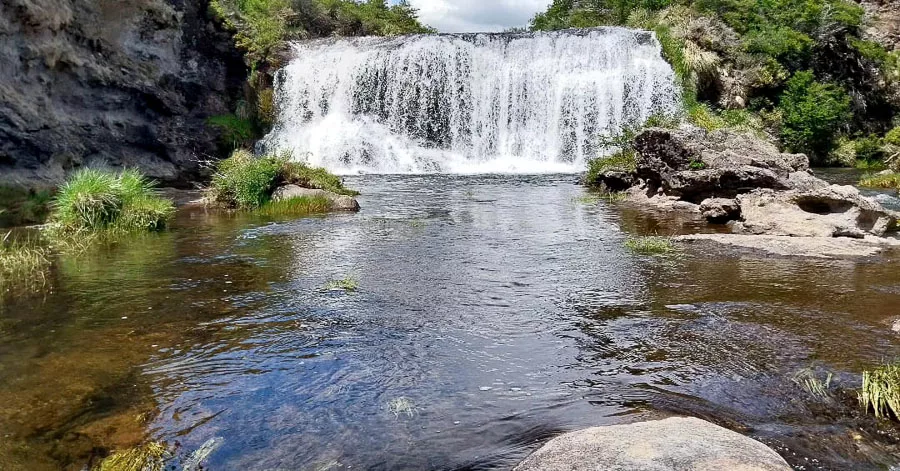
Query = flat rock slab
x=814 y=247
x=664 y=445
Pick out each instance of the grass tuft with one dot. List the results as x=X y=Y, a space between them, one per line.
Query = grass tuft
x=888 y=180
x=807 y=379
x=149 y=457
x=881 y=391
x=348 y=283
x=651 y=245
x=299 y=206
x=94 y=200
x=23 y=265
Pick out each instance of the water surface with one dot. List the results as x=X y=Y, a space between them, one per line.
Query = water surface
x=492 y=313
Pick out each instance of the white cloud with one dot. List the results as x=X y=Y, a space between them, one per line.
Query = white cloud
x=472 y=16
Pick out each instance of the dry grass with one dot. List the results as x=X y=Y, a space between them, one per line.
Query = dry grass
x=23 y=265
x=881 y=391
x=149 y=457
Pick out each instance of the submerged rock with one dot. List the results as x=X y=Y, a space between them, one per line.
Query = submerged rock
x=671 y=444
x=338 y=202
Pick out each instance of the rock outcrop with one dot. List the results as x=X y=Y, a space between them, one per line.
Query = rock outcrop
x=337 y=202
x=665 y=445
x=739 y=179
x=111 y=83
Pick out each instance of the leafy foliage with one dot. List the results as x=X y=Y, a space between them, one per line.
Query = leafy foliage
x=814 y=113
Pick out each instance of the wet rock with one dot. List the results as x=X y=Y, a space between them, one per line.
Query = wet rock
x=832 y=211
x=338 y=202
x=720 y=210
x=671 y=444
x=615 y=181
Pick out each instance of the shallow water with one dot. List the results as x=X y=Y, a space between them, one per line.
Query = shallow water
x=492 y=313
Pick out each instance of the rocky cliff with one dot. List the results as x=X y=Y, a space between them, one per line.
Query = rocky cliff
x=111 y=83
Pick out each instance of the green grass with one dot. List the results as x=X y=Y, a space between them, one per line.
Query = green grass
x=299 y=206
x=622 y=161
x=889 y=180
x=880 y=392
x=651 y=245
x=150 y=457
x=596 y=197
x=348 y=283
x=246 y=182
x=95 y=200
x=23 y=265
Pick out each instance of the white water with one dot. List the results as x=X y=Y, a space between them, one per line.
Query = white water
x=486 y=103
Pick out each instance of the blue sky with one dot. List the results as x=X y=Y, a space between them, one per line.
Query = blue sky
x=467 y=16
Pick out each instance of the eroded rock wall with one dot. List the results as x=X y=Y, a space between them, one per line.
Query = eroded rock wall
x=111 y=83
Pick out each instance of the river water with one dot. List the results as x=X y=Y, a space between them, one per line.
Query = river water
x=491 y=314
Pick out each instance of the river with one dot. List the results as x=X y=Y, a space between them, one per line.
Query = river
x=492 y=312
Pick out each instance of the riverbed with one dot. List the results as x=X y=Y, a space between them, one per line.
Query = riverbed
x=491 y=313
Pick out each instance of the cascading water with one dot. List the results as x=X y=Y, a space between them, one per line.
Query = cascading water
x=476 y=103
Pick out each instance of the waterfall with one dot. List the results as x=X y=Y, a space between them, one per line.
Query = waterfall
x=467 y=103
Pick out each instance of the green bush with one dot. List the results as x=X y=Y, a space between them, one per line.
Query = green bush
x=97 y=200
x=813 y=113
x=780 y=42
x=245 y=181
x=893 y=137
x=889 y=180
x=868 y=149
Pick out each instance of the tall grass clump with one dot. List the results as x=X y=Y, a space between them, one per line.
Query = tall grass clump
x=887 y=180
x=22 y=265
x=245 y=181
x=296 y=206
x=96 y=200
x=651 y=245
x=881 y=391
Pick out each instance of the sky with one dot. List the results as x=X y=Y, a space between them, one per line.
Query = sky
x=471 y=16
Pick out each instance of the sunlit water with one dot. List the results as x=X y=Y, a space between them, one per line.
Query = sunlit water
x=491 y=314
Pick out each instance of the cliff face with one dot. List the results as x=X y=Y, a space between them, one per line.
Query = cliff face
x=111 y=83
x=883 y=22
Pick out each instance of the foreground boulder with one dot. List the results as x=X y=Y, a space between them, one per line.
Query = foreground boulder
x=665 y=445
x=338 y=202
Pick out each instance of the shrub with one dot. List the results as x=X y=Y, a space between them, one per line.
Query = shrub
x=813 y=113
x=651 y=245
x=881 y=391
x=245 y=181
x=893 y=137
x=868 y=149
x=96 y=200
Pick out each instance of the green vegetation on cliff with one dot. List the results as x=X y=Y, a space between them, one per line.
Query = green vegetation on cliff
x=262 y=29
x=786 y=67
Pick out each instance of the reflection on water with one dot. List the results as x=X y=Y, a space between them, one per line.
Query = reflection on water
x=499 y=310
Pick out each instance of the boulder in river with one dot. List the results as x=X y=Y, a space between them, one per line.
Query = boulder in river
x=338 y=202
x=737 y=178
x=664 y=445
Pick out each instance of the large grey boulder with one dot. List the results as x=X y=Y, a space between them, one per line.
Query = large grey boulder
x=338 y=202
x=694 y=165
x=665 y=445
x=831 y=211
